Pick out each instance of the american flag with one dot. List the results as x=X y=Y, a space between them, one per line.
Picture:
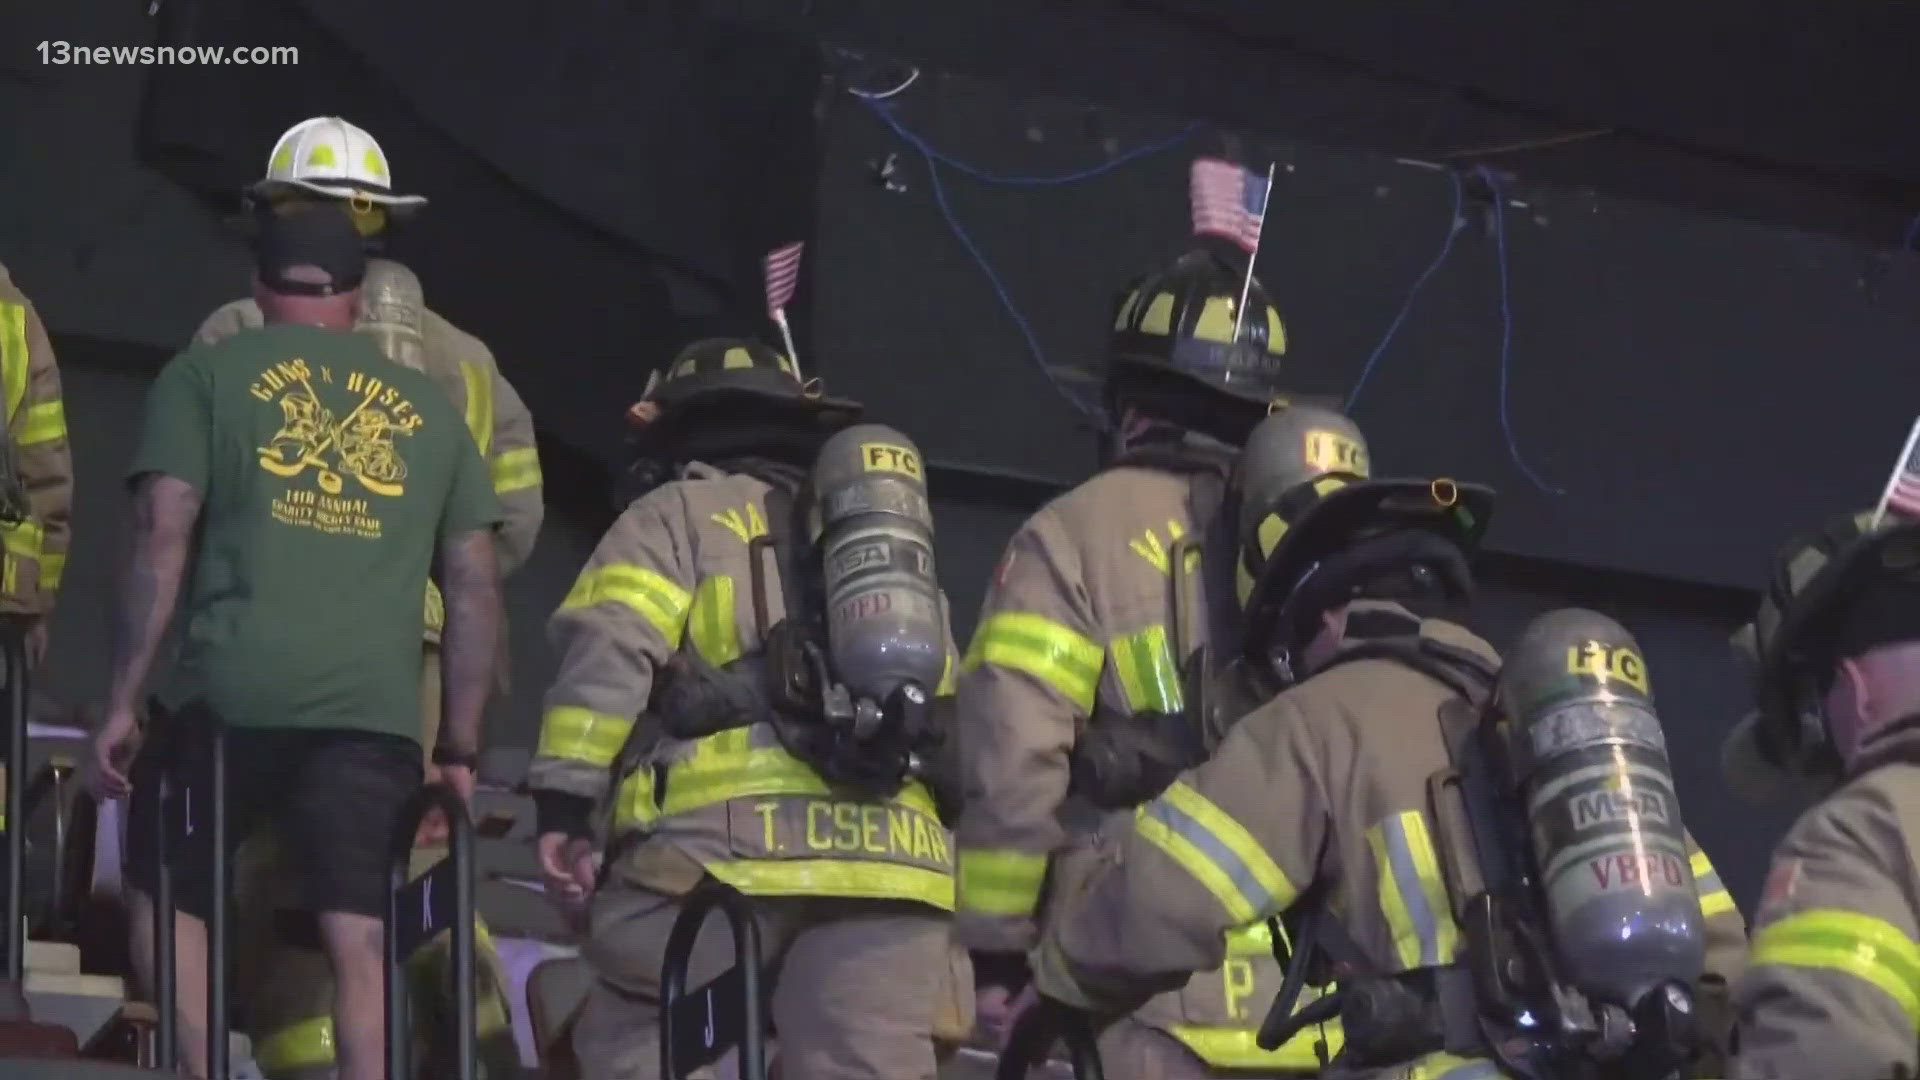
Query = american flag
x=1228 y=201
x=783 y=276
x=1903 y=493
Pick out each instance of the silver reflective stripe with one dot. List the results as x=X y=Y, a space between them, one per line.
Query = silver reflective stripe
x=1181 y=824
x=1413 y=893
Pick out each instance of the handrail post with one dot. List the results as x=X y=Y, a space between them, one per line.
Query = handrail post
x=1033 y=1035
x=13 y=640
x=746 y=958
x=218 y=1018
x=165 y=972
x=400 y=856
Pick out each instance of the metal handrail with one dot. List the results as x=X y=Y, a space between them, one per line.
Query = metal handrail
x=13 y=652
x=1034 y=1033
x=459 y=862
x=676 y=1062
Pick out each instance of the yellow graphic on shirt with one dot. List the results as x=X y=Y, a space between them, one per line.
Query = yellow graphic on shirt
x=359 y=445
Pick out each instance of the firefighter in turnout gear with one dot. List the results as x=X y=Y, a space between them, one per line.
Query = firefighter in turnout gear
x=662 y=714
x=1316 y=806
x=1072 y=699
x=1833 y=989
x=36 y=470
x=328 y=160
x=36 y=476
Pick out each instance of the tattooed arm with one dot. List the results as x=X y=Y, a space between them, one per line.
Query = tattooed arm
x=469 y=577
x=164 y=512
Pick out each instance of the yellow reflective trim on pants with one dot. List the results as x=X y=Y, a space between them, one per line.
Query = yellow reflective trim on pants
x=576 y=734
x=1148 y=671
x=1412 y=894
x=1827 y=939
x=40 y=423
x=13 y=355
x=1216 y=851
x=837 y=877
x=304 y=1044
x=1050 y=652
x=651 y=595
x=479 y=406
x=1714 y=897
x=1235 y=1048
x=1449 y=1067
x=715 y=636
x=1001 y=882
x=53 y=568
x=21 y=542
x=516 y=470
x=726 y=766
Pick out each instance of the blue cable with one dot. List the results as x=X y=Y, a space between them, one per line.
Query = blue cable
x=935 y=159
x=1446 y=248
x=1506 y=330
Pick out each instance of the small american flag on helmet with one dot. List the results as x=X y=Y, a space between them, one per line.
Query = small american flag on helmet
x=1228 y=201
x=1903 y=495
x=783 y=276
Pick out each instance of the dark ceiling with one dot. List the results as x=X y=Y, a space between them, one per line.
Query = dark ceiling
x=1795 y=114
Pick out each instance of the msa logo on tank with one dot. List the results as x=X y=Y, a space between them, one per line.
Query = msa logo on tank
x=873 y=554
x=335 y=427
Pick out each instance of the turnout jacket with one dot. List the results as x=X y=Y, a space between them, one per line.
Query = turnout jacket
x=36 y=426
x=673 y=578
x=1077 y=623
x=463 y=366
x=1339 y=763
x=1833 y=986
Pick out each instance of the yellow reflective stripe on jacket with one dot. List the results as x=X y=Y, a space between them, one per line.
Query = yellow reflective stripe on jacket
x=1714 y=897
x=715 y=637
x=576 y=734
x=516 y=470
x=837 y=877
x=1147 y=670
x=1412 y=894
x=304 y=1044
x=53 y=567
x=656 y=599
x=479 y=406
x=40 y=423
x=947 y=681
x=1235 y=1048
x=1252 y=940
x=1042 y=648
x=1217 y=851
x=13 y=355
x=21 y=541
x=726 y=765
x=1001 y=882
x=1828 y=939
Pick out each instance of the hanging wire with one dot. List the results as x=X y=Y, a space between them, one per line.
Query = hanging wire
x=882 y=95
x=934 y=159
x=1506 y=330
x=1446 y=248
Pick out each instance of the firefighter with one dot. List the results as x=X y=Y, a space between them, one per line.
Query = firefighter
x=1321 y=795
x=36 y=488
x=36 y=478
x=328 y=161
x=1079 y=629
x=666 y=624
x=1834 y=985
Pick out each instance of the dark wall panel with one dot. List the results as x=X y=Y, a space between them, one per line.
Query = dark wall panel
x=1698 y=387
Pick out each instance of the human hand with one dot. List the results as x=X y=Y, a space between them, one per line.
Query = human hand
x=568 y=865
x=433 y=825
x=114 y=746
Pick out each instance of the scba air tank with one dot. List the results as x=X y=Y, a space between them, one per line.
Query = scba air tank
x=1607 y=837
x=885 y=626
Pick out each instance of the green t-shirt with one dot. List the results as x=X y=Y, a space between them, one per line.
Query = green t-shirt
x=328 y=475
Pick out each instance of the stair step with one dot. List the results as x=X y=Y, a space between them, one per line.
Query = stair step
x=53 y=957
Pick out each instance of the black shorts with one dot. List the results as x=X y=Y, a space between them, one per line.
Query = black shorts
x=333 y=794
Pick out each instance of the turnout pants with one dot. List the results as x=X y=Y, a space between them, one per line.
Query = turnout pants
x=855 y=984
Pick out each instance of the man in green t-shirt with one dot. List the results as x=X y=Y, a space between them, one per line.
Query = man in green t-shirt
x=314 y=483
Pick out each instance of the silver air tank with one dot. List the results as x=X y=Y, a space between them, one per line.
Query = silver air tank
x=1607 y=835
x=393 y=312
x=885 y=626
